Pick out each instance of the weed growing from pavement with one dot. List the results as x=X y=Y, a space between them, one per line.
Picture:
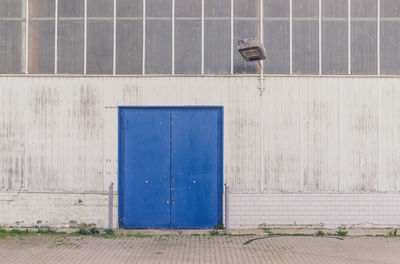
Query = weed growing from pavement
x=138 y=235
x=341 y=232
x=48 y=231
x=393 y=233
x=109 y=231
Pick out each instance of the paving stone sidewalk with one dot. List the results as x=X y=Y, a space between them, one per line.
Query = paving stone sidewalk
x=199 y=249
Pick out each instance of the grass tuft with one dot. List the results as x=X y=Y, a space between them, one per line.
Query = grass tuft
x=214 y=233
x=341 y=232
x=46 y=231
x=393 y=233
x=109 y=231
x=94 y=230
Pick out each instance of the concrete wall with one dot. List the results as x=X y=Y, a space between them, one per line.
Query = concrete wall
x=24 y=209
x=325 y=135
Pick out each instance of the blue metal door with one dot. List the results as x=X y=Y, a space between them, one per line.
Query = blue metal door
x=195 y=168
x=170 y=167
x=145 y=168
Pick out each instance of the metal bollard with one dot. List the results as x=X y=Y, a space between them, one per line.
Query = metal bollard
x=110 y=205
x=226 y=209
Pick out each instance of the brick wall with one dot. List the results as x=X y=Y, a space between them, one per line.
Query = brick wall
x=252 y=210
x=247 y=210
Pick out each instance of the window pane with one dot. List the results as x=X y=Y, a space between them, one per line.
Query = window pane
x=129 y=8
x=12 y=36
x=187 y=36
x=390 y=8
x=12 y=8
x=364 y=8
x=246 y=8
x=217 y=46
x=246 y=25
x=71 y=8
x=305 y=37
x=334 y=37
x=159 y=8
x=277 y=36
x=41 y=46
x=100 y=8
x=390 y=37
x=277 y=8
x=363 y=37
x=41 y=36
x=158 y=46
x=158 y=36
x=41 y=8
x=217 y=8
x=70 y=47
x=334 y=8
x=100 y=47
x=187 y=8
x=100 y=29
x=277 y=45
x=217 y=36
x=187 y=46
x=12 y=47
x=129 y=50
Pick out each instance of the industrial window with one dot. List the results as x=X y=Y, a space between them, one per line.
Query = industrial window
x=246 y=25
x=277 y=36
x=364 y=36
x=100 y=32
x=129 y=37
x=187 y=36
x=158 y=37
x=305 y=37
x=132 y=37
x=390 y=36
x=334 y=39
x=70 y=36
x=42 y=36
x=12 y=36
x=217 y=36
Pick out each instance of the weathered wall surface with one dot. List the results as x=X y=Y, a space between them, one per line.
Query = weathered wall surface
x=305 y=134
x=25 y=209
x=306 y=152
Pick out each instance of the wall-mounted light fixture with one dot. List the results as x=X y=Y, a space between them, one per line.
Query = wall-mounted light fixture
x=253 y=50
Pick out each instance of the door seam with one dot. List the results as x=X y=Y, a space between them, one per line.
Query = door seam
x=170 y=170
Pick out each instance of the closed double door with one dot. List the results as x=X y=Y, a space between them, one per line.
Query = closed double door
x=170 y=167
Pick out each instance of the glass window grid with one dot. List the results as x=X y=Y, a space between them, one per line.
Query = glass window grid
x=26 y=18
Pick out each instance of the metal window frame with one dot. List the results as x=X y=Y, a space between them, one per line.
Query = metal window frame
x=291 y=37
x=114 y=37
x=349 y=37
x=349 y=18
x=85 y=40
x=26 y=37
x=173 y=38
x=378 y=38
x=55 y=37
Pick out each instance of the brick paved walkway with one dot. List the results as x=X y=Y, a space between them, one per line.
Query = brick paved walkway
x=199 y=249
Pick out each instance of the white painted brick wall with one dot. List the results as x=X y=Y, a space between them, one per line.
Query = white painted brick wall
x=252 y=210
x=247 y=210
x=55 y=209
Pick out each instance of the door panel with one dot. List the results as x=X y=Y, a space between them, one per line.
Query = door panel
x=146 y=168
x=195 y=168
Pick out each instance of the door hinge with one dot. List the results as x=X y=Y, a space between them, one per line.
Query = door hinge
x=121 y=222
